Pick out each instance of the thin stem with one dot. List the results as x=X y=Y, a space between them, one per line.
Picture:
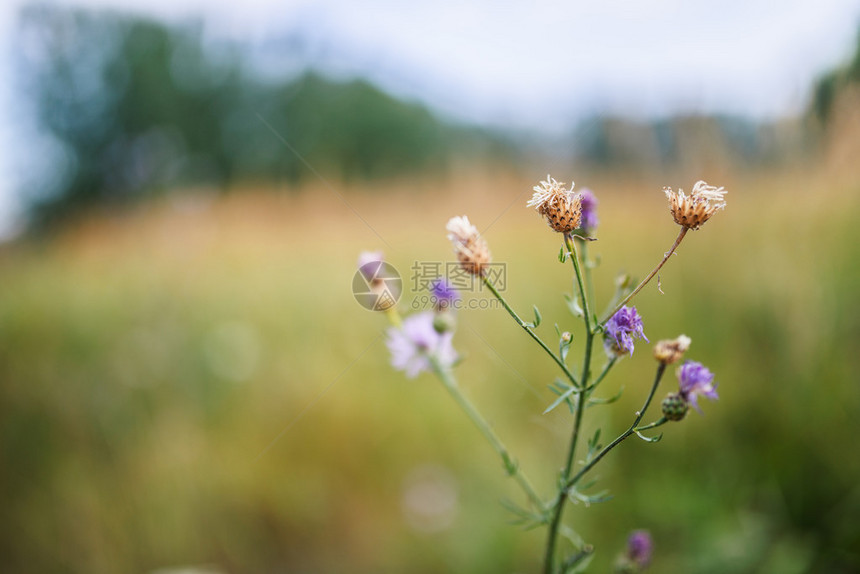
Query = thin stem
x=586 y=306
x=510 y=464
x=589 y=283
x=658 y=422
x=572 y=561
x=603 y=373
x=527 y=328
x=650 y=276
x=633 y=428
x=561 y=499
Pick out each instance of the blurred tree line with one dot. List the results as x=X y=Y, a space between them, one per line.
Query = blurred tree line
x=831 y=84
x=129 y=108
x=133 y=107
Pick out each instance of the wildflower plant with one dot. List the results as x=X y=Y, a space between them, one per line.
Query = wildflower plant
x=423 y=342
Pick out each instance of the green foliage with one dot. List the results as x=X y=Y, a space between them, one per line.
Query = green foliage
x=138 y=107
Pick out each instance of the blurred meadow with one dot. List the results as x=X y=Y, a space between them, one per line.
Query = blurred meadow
x=188 y=384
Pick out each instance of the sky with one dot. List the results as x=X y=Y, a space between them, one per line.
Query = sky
x=536 y=65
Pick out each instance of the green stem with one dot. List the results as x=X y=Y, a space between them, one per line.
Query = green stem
x=650 y=276
x=658 y=422
x=561 y=499
x=527 y=328
x=633 y=428
x=589 y=283
x=603 y=373
x=511 y=465
x=586 y=306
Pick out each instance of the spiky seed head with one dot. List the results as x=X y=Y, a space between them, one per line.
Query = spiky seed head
x=562 y=208
x=669 y=351
x=692 y=211
x=675 y=407
x=471 y=250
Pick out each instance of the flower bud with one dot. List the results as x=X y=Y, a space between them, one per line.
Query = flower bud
x=669 y=351
x=471 y=250
x=675 y=407
x=444 y=322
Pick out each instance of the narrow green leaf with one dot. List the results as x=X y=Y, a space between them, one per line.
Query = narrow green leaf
x=600 y=401
x=562 y=254
x=558 y=387
x=537 y=316
x=649 y=439
x=593 y=446
x=573 y=305
x=563 y=397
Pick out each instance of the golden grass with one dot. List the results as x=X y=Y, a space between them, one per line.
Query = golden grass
x=192 y=382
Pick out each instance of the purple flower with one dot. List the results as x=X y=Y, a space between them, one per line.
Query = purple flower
x=444 y=294
x=589 y=210
x=695 y=380
x=620 y=331
x=369 y=263
x=413 y=344
x=639 y=548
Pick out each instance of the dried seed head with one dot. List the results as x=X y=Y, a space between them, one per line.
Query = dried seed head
x=692 y=211
x=670 y=350
x=471 y=250
x=561 y=207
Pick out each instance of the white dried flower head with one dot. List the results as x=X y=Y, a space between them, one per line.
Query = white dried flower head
x=561 y=207
x=692 y=211
x=670 y=351
x=471 y=250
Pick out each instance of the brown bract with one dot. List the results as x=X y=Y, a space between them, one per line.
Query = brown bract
x=692 y=211
x=561 y=208
x=471 y=250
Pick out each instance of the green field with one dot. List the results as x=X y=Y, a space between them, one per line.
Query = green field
x=193 y=385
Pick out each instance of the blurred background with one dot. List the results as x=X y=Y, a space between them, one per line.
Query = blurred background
x=188 y=385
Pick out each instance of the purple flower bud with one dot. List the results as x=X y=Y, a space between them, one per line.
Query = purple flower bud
x=640 y=547
x=695 y=379
x=589 y=210
x=444 y=294
x=621 y=329
x=416 y=341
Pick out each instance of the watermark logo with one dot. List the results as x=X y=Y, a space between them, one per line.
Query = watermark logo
x=377 y=286
x=425 y=272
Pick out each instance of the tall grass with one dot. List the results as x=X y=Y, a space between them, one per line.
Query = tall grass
x=193 y=384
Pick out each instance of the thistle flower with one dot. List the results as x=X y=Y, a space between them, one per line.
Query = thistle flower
x=695 y=379
x=670 y=351
x=414 y=343
x=692 y=211
x=561 y=207
x=621 y=329
x=589 y=210
x=443 y=293
x=471 y=250
x=637 y=556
